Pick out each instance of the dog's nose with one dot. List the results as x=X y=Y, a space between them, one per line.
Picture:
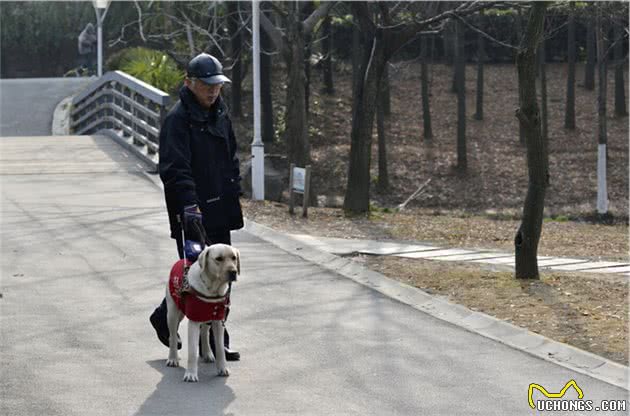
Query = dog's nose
x=232 y=276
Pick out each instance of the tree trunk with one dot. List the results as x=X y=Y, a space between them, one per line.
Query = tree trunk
x=589 y=67
x=235 y=49
x=383 y=175
x=460 y=71
x=543 y=90
x=518 y=24
x=528 y=234
x=481 y=56
x=357 y=199
x=424 y=80
x=385 y=90
x=266 y=101
x=620 y=87
x=356 y=54
x=327 y=42
x=569 y=115
x=602 y=191
x=296 y=133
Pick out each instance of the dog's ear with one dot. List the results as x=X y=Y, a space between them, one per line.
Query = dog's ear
x=202 y=259
x=238 y=261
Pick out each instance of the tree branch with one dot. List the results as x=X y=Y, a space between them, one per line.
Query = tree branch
x=309 y=24
x=274 y=33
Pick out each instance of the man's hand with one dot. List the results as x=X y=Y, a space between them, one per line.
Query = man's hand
x=193 y=224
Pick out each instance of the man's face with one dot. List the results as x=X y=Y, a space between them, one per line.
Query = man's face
x=206 y=94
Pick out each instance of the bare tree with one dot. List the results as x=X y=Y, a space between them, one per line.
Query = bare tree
x=424 y=81
x=620 y=86
x=589 y=66
x=329 y=87
x=380 y=42
x=569 y=115
x=602 y=191
x=481 y=56
x=528 y=234
x=460 y=81
x=543 y=90
x=291 y=44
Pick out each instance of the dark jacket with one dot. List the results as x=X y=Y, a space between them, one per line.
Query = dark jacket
x=198 y=164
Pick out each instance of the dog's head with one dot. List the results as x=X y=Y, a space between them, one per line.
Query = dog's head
x=220 y=263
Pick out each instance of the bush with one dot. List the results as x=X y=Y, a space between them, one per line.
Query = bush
x=151 y=66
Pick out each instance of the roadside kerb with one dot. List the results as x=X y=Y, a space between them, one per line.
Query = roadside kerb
x=518 y=338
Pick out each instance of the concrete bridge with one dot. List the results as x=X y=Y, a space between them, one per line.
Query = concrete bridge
x=85 y=255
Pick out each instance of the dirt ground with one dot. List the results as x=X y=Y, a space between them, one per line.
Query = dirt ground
x=480 y=209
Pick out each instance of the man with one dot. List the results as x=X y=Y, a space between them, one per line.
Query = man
x=200 y=170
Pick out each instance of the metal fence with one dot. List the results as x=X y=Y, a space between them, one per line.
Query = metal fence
x=124 y=108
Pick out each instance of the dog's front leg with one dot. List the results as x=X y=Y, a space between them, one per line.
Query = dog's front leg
x=219 y=349
x=173 y=320
x=193 y=340
x=206 y=352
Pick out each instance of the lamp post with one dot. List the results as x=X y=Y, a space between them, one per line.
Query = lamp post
x=258 y=148
x=100 y=8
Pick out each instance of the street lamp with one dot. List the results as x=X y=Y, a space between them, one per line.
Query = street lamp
x=100 y=8
x=258 y=148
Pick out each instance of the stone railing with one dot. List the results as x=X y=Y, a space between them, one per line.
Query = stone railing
x=128 y=110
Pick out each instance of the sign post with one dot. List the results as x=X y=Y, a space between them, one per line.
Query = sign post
x=299 y=183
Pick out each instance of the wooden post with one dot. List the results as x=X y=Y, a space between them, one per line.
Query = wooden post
x=305 y=196
x=291 y=194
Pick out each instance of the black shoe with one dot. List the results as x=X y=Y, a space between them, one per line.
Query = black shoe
x=231 y=355
x=158 y=321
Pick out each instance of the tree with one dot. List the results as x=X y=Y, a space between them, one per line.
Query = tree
x=602 y=136
x=424 y=81
x=380 y=42
x=620 y=86
x=460 y=81
x=481 y=56
x=589 y=66
x=329 y=87
x=569 y=115
x=528 y=234
x=543 y=90
x=291 y=44
x=266 y=101
x=236 y=44
x=383 y=174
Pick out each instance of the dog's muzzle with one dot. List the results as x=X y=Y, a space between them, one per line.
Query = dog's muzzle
x=232 y=276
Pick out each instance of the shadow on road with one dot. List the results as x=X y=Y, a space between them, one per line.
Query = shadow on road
x=172 y=396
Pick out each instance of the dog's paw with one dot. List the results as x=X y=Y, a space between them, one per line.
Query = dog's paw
x=172 y=362
x=223 y=372
x=207 y=358
x=190 y=377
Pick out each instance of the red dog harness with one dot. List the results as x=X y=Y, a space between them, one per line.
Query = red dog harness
x=193 y=304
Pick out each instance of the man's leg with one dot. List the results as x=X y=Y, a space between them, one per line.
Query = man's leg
x=159 y=319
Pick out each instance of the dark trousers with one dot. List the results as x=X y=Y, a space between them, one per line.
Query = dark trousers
x=215 y=238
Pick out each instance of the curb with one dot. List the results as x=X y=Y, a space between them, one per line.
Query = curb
x=488 y=326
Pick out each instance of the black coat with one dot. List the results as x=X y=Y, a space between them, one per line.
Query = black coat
x=198 y=164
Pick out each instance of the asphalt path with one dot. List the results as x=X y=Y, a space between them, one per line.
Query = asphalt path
x=27 y=104
x=85 y=257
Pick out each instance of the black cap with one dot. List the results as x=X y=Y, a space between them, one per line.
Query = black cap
x=206 y=68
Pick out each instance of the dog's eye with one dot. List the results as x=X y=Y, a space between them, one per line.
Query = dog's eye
x=220 y=258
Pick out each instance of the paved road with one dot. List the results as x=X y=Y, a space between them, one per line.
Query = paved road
x=85 y=257
x=27 y=104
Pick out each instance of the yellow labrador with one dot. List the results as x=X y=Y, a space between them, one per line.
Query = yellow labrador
x=202 y=299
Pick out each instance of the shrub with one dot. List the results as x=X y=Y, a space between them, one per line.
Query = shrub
x=151 y=66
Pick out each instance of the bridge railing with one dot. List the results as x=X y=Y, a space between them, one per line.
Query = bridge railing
x=128 y=110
